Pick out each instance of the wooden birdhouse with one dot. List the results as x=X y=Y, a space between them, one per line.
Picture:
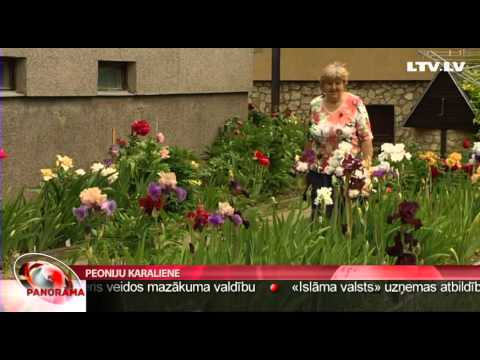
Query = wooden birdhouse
x=443 y=106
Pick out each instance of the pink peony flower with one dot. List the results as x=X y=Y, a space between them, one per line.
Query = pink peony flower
x=160 y=138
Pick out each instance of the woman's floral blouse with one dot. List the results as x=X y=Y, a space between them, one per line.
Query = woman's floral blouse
x=350 y=123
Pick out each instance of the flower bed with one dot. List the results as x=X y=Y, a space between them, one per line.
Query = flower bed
x=151 y=203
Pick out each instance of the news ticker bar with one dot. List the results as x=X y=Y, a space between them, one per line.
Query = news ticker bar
x=276 y=272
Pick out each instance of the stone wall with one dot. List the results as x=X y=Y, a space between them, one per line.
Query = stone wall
x=296 y=96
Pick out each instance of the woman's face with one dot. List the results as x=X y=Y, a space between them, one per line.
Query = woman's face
x=334 y=89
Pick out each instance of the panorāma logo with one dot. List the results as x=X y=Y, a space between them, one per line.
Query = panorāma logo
x=47 y=277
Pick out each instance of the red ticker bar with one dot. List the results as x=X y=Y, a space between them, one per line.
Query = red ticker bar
x=276 y=272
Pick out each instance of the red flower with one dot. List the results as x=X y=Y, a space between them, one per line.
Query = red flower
x=468 y=168
x=122 y=142
x=274 y=114
x=467 y=144
x=259 y=154
x=3 y=154
x=388 y=189
x=434 y=171
x=140 y=127
x=199 y=217
x=148 y=204
x=262 y=159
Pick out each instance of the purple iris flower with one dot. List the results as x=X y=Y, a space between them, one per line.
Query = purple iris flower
x=309 y=156
x=216 y=219
x=407 y=210
x=238 y=189
x=379 y=173
x=181 y=193
x=356 y=184
x=350 y=164
x=81 y=212
x=237 y=219
x=107 y=162
x=155 y=191
x=108 y=207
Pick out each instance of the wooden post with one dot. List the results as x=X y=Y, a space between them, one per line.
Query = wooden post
x=443 y=143
x=114 y=137
x=443 y=135
x=275 y=79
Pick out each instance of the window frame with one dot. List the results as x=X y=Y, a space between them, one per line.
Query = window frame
x=10 y=64
x=123 y=65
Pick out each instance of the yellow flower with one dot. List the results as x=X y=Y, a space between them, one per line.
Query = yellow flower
x=195 y=165
x=430 y=157
x=80 y=172
x=48 y=174
x=195 y=182
x=454 y=159
x=231 y=175
x=97 y=167
x=92 y=197
x=65 y=162
x=110 y=173
x=455 y=156
x=450 y=163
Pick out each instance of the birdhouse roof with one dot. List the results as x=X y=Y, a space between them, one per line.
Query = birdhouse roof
x=444 y=105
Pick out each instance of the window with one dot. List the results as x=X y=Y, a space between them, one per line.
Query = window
x=116 y=76
x=119 y=77
x=7 y=72
x=112 y=76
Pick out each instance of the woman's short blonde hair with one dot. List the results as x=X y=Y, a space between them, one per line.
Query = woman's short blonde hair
x=334 y=71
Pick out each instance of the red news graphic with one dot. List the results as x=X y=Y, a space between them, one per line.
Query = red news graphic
x=47 y=278
x=277 y=272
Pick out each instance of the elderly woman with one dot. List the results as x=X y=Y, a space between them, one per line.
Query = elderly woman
x=342 y=116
